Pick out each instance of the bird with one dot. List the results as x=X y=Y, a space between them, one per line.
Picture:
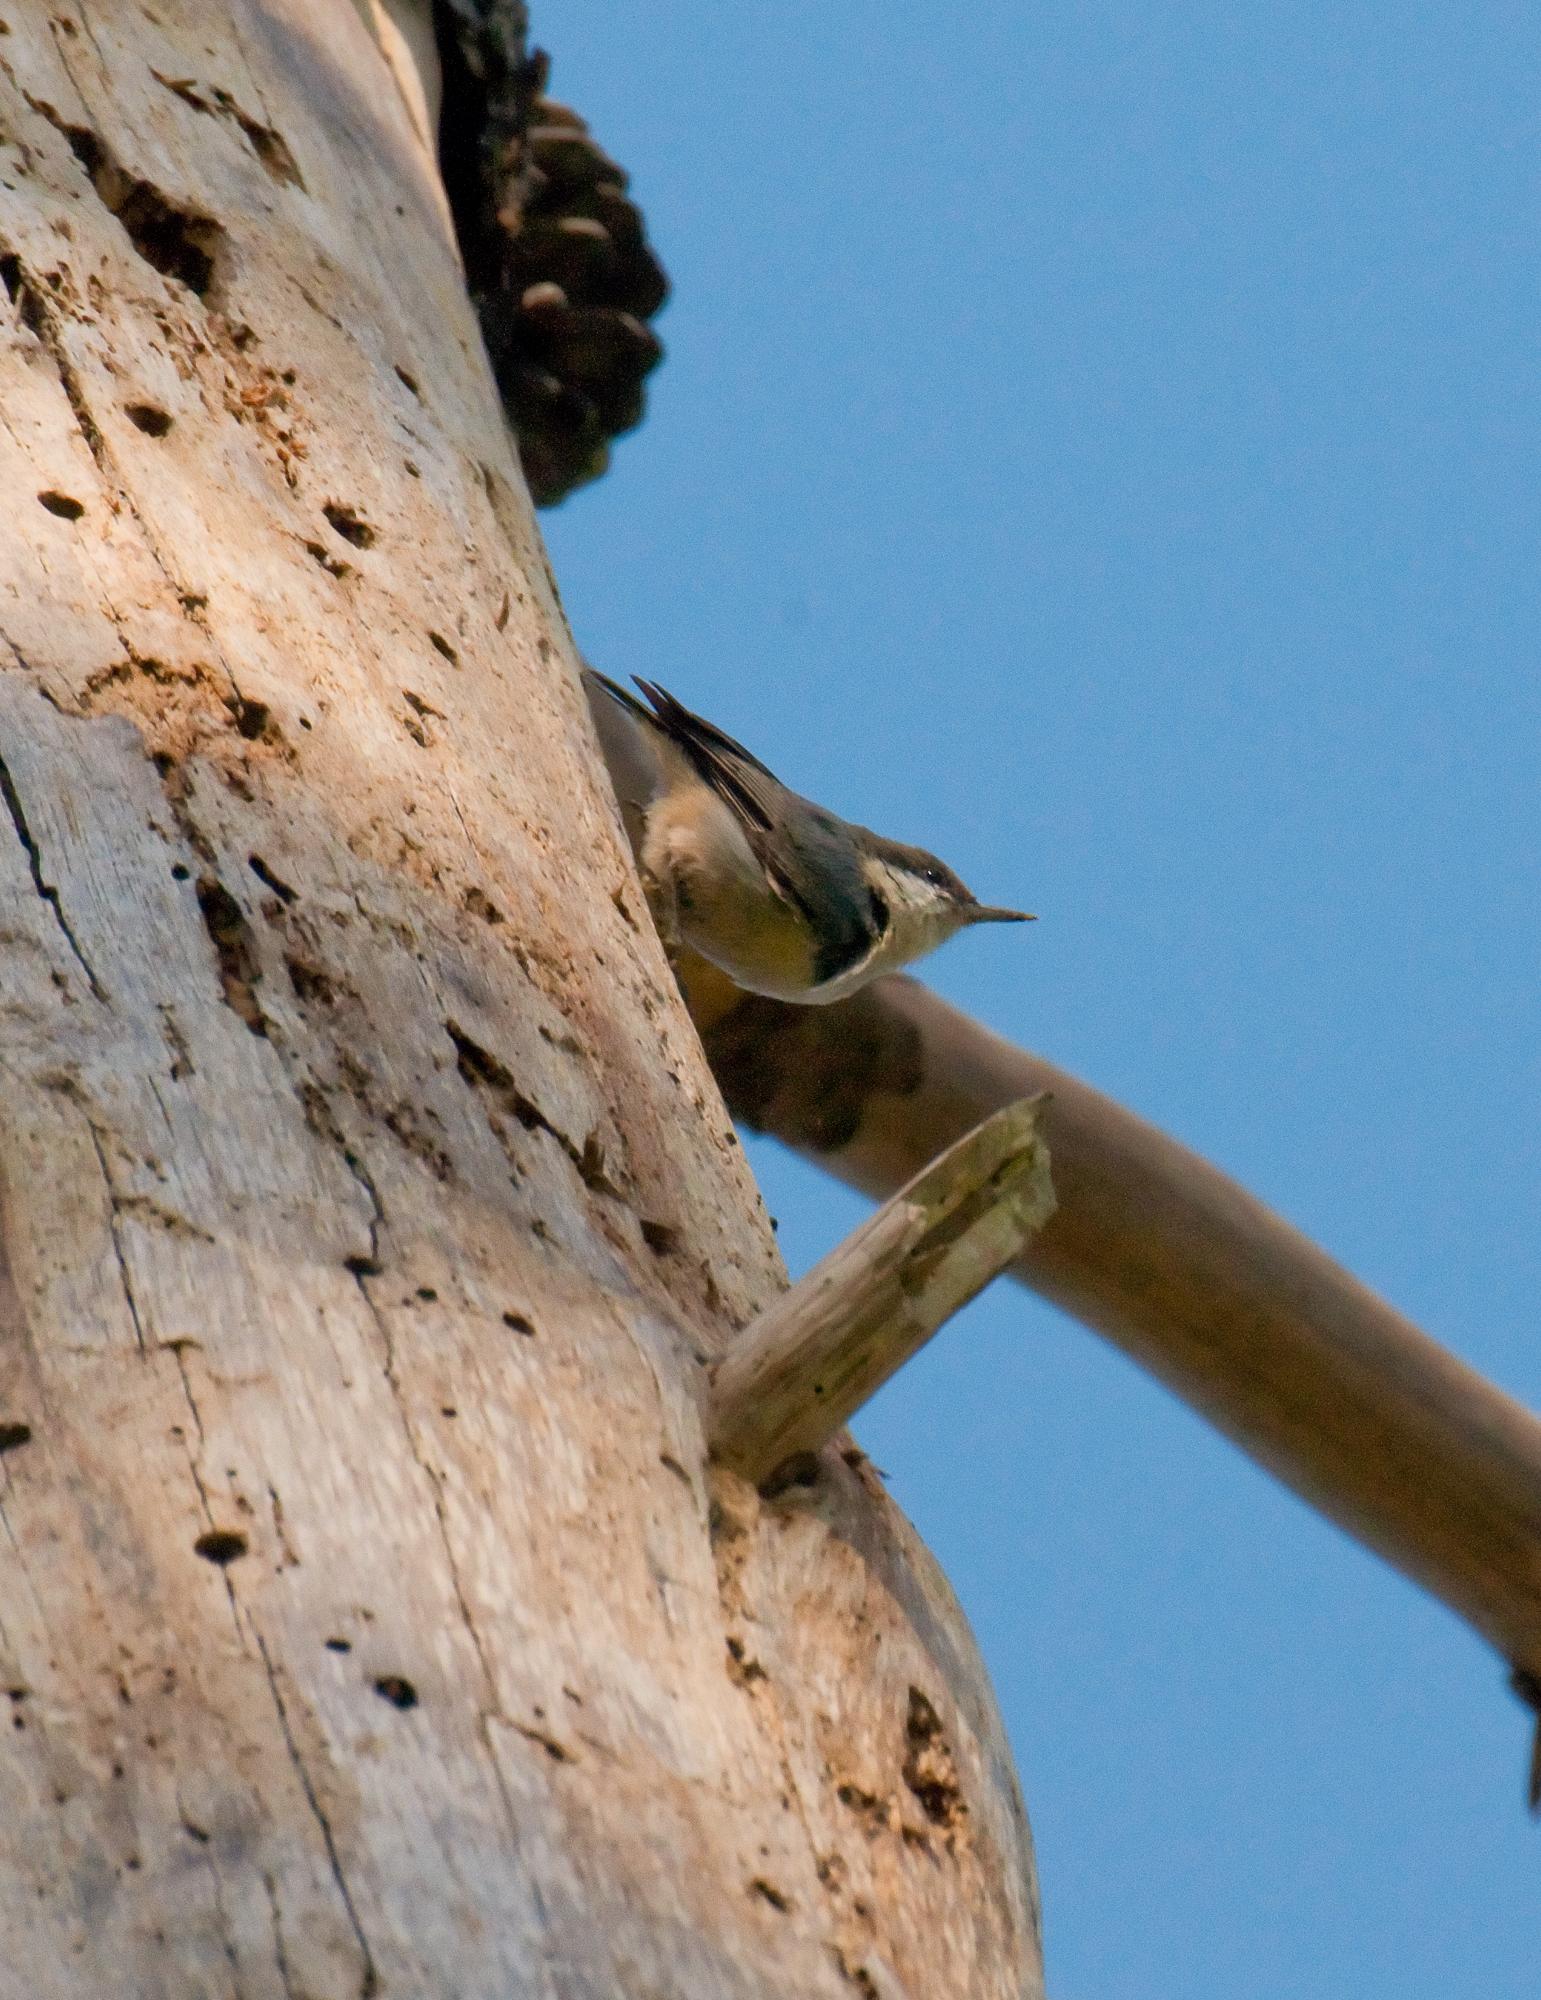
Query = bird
x=785 y=897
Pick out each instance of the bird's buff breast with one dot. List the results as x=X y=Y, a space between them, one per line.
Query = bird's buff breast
x=723 y=907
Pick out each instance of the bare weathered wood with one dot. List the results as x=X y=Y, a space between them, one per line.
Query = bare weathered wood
x=800 y=1371
x=1324 y=1383
x=370 y=1619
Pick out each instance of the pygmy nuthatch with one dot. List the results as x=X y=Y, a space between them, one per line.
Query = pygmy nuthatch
x=785 y=897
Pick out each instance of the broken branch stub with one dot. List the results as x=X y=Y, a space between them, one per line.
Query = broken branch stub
x=796 y=1374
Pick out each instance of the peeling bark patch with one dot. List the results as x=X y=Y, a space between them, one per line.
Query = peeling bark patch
x=592 y=1169
x=33 y=315
x=46 y=890
x=855 y=1975
x=420 y=735
x=149 y=418
x=352 y=526
x=172 y=706
x=36 y=317
x=148 y=1210
x=397 y=1690
x=276 y=883
x=662 y=1238
x=63 y=504
x=405 y=1125
x=186 y=89
x=310 y=983
x=269 y=145
x=476 y=1065
x=230 y=934
x=176 y=241
x=441 y=645
x=557 y=1752
x=13 y=1436
x=929 y=1769
x=743 y=1668
x=867 y=1805
x=252 y=718
x=221 y=1546
x=483 y=1071
x=333 y=565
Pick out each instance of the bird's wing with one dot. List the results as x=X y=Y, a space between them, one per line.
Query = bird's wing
x=617 y=693
x=737 y=776
x=807 y=854
x=630 y=740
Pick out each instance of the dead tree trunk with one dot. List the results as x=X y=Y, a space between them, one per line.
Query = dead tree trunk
x=369 y=1621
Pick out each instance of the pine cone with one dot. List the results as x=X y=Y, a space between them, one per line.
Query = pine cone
x=556 y=252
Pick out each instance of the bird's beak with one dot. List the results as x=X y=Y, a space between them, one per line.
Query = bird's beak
x=987 y=913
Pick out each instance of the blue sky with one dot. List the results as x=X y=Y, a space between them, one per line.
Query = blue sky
x=1100 y=442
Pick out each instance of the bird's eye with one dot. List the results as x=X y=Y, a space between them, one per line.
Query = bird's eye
x=879 y=909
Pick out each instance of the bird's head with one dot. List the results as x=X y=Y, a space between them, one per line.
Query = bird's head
x=919 y=902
